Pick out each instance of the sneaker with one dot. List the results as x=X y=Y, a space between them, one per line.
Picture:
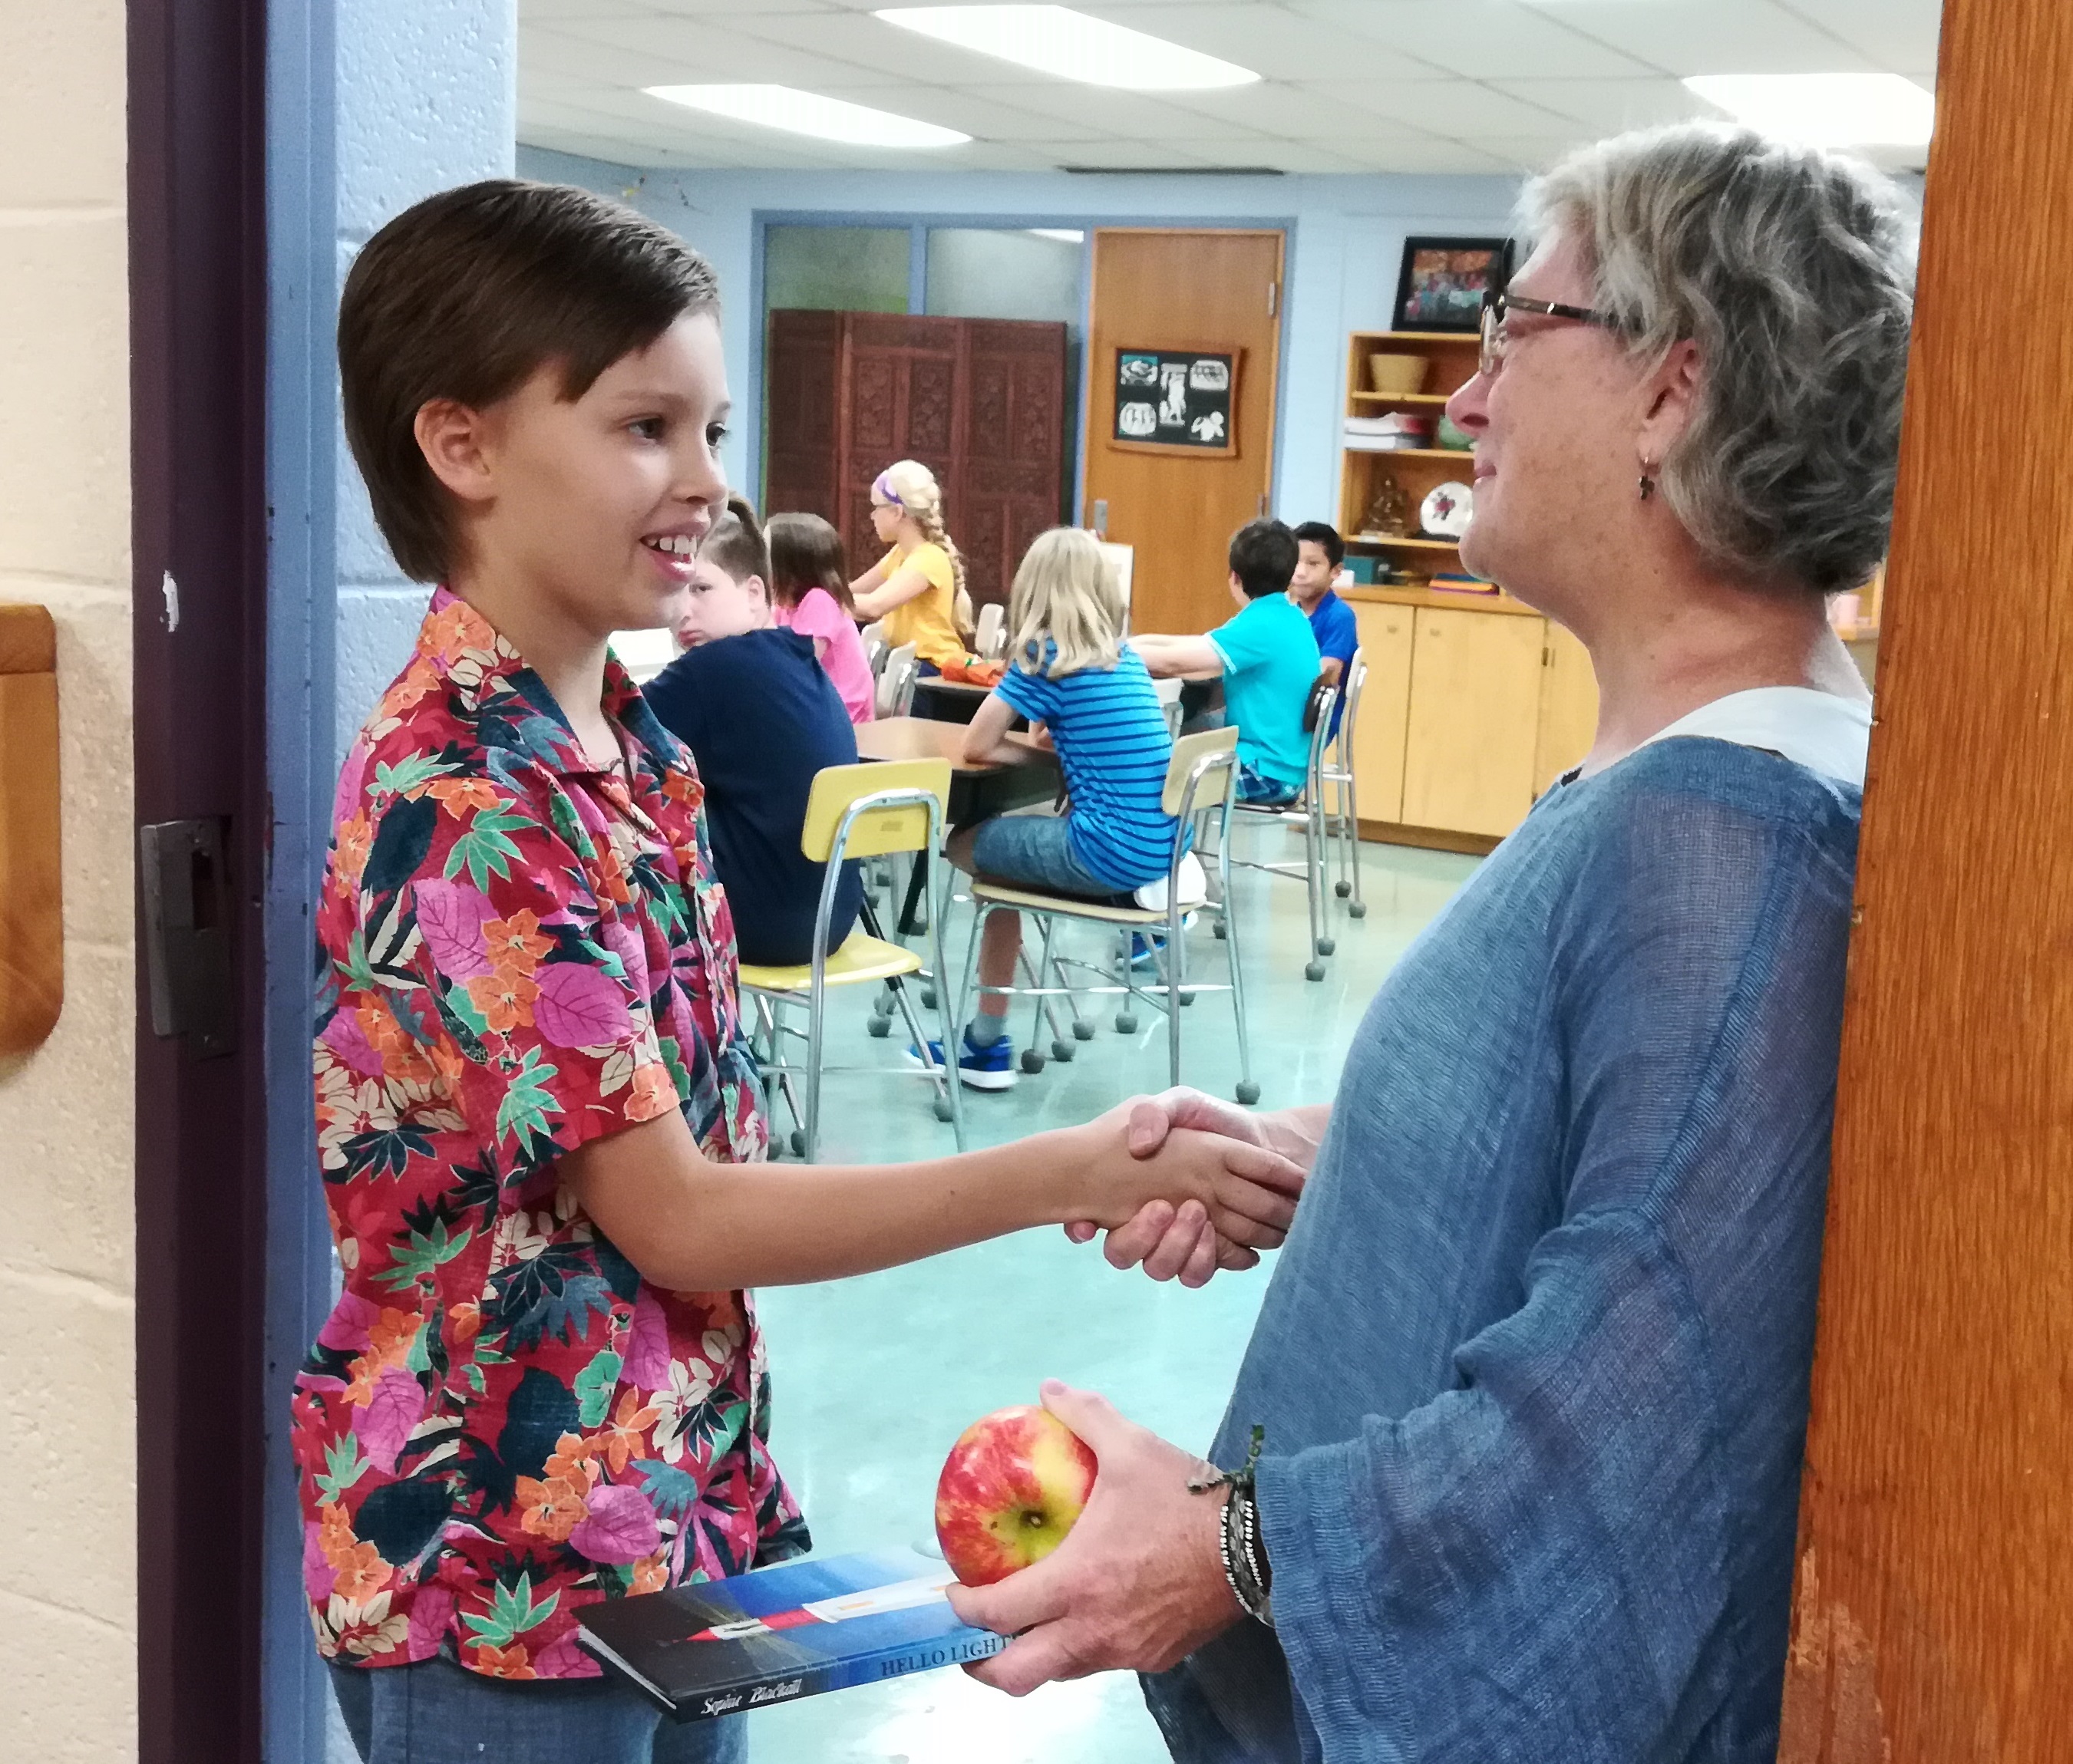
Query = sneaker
x=979 y=1068
x=1146 y=947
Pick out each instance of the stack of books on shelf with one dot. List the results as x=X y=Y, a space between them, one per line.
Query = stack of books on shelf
x=1389 y=434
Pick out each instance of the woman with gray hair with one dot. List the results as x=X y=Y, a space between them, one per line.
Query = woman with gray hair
x=1511 y=1469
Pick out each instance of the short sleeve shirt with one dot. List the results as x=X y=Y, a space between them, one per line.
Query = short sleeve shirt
x=1271 y=662
x=818 y=617
x=1113 y=748
x=501 y=1422
x=929 y=621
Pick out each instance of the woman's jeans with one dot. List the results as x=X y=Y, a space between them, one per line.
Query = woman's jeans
x=436 y=1712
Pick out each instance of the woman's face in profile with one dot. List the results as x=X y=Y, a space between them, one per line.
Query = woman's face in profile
x=1556 y=458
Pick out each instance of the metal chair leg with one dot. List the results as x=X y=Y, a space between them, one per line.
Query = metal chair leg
x=1248 y=1091
x=952 y=1086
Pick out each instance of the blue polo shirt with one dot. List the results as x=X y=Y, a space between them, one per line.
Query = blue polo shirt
x=1271 y=662
x=1337 y=632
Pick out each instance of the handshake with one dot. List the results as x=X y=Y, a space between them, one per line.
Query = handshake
x=1189 y=1184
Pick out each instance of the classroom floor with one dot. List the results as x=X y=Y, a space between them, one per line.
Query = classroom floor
x=874 y=1377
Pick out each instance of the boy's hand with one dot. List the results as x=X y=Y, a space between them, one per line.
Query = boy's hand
x=1178 y=1242
x=1245 y=1193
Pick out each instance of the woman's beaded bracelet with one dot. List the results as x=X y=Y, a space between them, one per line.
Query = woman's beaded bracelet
x=1240 y=1549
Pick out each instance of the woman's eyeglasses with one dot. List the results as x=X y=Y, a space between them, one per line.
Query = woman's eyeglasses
x=1499 y=307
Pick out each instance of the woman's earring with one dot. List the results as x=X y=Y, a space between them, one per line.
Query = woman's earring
x=1647 y=480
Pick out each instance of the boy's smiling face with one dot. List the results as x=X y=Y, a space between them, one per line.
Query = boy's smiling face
x=593 y=508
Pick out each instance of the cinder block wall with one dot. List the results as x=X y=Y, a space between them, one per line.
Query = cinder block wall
x=67 y=1574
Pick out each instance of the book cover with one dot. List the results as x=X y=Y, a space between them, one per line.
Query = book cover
x=780 y=1634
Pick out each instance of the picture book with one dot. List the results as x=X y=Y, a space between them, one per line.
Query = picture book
x=780 y=1634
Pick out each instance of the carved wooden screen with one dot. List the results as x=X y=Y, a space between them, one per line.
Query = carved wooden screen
x=980 y=402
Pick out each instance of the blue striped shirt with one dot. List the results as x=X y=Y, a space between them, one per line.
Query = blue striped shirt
x=1114 y=747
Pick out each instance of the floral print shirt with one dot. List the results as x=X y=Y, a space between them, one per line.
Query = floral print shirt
x=501 y=1422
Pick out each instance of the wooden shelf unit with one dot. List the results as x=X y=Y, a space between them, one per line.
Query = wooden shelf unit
x=1452 y=359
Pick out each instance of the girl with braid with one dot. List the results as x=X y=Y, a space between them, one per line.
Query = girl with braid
x=917 y=590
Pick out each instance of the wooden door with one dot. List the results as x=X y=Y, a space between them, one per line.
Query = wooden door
x=1473 y=723
x=898 y=402
x=1932 y=1623
x=1010 y=473
x=1569 y=720
x=1218 y=290
x=1385 y=711
x=802 y=414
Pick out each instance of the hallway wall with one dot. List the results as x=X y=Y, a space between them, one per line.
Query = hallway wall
x=67 y=1576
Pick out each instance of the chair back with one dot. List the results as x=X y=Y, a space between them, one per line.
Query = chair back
x=992 y=631
x=1318 y=706
x=874 y=807
x=1324 y=698
x=1197 y=759
x=1168 y=692
x=896 y=682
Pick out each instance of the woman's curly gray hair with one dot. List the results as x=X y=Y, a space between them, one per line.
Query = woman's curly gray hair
x=1792 y=271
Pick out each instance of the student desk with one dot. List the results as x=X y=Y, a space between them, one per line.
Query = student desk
x=977 y=792
x=948 y=700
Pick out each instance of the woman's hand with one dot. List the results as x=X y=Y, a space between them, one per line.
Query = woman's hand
x=1138 y=1583
x=1176 y=1241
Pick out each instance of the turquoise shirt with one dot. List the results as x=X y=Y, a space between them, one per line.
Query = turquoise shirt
x=1271 y=662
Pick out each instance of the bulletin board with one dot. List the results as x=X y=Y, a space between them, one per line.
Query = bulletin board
x=1176 y=402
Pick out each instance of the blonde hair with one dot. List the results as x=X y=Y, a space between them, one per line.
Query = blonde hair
x=1065 y=590
x=911 y=487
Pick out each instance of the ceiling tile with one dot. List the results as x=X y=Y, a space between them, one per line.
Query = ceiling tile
x=1481 y=40
x=1270 y=108
x=1684 y=37
x=1900 y=36
x=631 y=53
x=1129 y=116
x=1459 y=109
x=1269 y=37
x=1608 y=107
x=1290 y=156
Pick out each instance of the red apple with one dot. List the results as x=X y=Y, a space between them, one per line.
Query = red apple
x=1011 y=1488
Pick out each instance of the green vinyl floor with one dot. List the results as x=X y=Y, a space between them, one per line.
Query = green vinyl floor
x=874 y=1377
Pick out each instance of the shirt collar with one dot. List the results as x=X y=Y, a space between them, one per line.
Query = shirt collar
x=478 y=663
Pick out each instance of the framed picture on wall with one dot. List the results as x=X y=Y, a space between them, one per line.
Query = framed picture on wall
x=1445 y=281
x=1176 y=401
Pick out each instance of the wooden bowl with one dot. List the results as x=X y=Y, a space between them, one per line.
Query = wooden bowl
x=1400 y=376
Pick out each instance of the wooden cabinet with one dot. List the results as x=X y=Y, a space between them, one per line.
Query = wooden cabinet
x=1569 y=707
x=1468 y=715
x=981 y=402
x=1474 y=724
x=1385 y=711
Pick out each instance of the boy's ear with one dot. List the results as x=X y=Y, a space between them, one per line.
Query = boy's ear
x=454 y=438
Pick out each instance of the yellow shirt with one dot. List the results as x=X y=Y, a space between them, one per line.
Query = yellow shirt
x=928 y=620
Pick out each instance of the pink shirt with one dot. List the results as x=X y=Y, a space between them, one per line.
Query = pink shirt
x=840 y=648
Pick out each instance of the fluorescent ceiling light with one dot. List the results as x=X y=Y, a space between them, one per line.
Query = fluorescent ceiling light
x=809 y=113
x=1058 y=40
x=1066 y=236
x=1825 y=109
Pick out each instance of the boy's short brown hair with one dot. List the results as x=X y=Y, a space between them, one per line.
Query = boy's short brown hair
x=736 y=545
x=468 y=295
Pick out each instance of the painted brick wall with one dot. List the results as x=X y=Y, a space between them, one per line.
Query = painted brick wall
x=68 y=1598
x=426 y=98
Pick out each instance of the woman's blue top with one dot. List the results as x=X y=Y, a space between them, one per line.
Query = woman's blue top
x=1533 y=1365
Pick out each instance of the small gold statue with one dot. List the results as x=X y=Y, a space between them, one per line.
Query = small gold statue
x=1389 y=514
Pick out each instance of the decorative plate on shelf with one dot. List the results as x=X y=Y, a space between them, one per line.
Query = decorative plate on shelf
x=1444 y=512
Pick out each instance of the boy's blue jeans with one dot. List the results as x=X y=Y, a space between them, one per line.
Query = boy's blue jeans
x=436 y=1712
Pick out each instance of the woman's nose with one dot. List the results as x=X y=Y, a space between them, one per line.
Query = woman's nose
x=1469 y=408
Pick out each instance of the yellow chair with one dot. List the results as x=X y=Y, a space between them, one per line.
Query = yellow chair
x=860 y=811
x=1199 y=779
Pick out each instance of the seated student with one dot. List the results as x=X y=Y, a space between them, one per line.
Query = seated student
x=760 y=718
x=1070 y=675
x=1268 y=661
x=917 y=590
x=1319 y=553
x=810 y=594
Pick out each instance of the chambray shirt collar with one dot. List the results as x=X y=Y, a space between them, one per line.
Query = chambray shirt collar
x=455 y=640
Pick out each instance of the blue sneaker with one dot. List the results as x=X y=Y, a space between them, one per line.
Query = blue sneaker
x=979 y=1068
x=1146 y=947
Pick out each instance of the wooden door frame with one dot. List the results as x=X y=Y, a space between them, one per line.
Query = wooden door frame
x=197 y=332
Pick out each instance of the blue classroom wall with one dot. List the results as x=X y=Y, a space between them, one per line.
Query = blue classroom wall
x=1346 y=243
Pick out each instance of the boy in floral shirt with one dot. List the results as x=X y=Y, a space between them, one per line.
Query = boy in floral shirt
x=542 y=1384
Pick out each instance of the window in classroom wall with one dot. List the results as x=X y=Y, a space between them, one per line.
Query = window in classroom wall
x=836 y=269
x=1002 y=273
